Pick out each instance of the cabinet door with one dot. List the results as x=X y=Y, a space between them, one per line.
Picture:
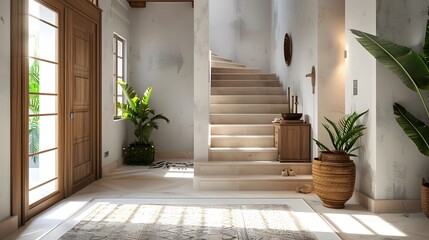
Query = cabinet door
x=305 y=143
x=291 y=143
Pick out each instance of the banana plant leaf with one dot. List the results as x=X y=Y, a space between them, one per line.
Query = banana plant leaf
x=408 y=65
x=415 y=129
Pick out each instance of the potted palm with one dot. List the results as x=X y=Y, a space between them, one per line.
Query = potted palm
x=138 y=111
x=333 y=172
x=413 y=70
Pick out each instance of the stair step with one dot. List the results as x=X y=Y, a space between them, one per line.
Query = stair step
x=243 y=118
x=249 y=99
x=242 y=141
x=220 y=59
x=222 y=64
x=235 y=70
x=249 y=168
x=243 y=76
x=243 y=154
x=242 y=129
x=246 y=83
x=249 y=108
x=247 y=90
x=250 y=182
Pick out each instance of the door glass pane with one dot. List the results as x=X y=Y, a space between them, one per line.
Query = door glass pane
x=43 y=102
x=42 y=40
x=43 y=12
x=43 y=191
x=43 y=167
x=42 y=76
x=42 y=133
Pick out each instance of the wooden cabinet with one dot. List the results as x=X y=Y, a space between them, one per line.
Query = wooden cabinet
x=293 y=141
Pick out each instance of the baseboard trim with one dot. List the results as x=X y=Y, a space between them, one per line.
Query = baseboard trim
x=8 y=226
x=112 y=166
x=389 y=206
x=173 y=155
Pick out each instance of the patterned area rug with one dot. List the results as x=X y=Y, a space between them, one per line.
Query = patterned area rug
x=151 y=221
x=178 y=165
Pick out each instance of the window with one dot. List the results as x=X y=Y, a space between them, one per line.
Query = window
x=118 y=72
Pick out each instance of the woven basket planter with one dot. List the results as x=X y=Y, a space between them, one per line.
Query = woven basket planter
x=334 y=182
x=424 y=189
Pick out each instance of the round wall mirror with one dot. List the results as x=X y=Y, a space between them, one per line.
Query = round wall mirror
x=288 y=49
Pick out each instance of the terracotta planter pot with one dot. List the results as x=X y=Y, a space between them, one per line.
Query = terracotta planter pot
x=334 y=182
x=424 y=190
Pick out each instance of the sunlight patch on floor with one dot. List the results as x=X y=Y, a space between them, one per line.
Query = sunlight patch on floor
x=180 y=173
x=363 y=225
x=67 y=210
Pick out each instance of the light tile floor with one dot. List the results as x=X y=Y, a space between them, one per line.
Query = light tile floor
x=353 y=222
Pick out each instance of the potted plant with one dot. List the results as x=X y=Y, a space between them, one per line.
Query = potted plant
x=413 y=70
x=138 y=111
x=333 y=172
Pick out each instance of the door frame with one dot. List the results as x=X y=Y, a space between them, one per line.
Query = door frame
x=18 y=122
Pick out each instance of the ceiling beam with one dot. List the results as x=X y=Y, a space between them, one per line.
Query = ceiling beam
x=142 y=4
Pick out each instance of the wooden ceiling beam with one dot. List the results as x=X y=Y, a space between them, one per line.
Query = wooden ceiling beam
x=142 y=4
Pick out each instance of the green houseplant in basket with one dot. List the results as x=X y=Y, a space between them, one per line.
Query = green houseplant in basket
x=413 y=70
x=333 y=172
x=138 y=111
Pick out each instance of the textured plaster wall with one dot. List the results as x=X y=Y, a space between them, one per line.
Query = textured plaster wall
x=299 y=19
x=361 y=66
x=5 y=109
x=400 y=166
x=114 y=20
x=161 y=56
x=389 y=165
x=330 y=68
x=240 y=30
x=317 y=32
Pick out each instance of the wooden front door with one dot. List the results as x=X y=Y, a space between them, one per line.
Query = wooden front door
x=80 y=102
x=56 y=101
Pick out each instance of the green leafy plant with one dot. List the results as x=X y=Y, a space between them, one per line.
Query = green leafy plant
x=413 y=70
x=139 y=113
x=344 y=135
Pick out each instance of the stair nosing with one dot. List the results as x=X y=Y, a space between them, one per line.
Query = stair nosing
x=253 y=162
x=249 y=177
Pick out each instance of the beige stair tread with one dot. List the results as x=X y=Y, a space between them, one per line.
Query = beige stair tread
x=240 y=163
x=242 y=136
x=247 y=114
x=220 y=59
x=256 y=177
x=243 y=149
x=241 y=125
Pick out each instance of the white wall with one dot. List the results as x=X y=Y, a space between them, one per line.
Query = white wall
x=400 y=166
x=330 y=69
x=299 y=19
x=317 y=32
x=390 y=166
x=161 y=56
x=240 y=30
x=114 y=133
x=361 y=66
x=224 y=25
x=5 y=109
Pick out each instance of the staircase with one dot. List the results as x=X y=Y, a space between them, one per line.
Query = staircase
x=242 y=156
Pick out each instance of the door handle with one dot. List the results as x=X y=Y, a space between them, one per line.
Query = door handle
x=71 y=115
